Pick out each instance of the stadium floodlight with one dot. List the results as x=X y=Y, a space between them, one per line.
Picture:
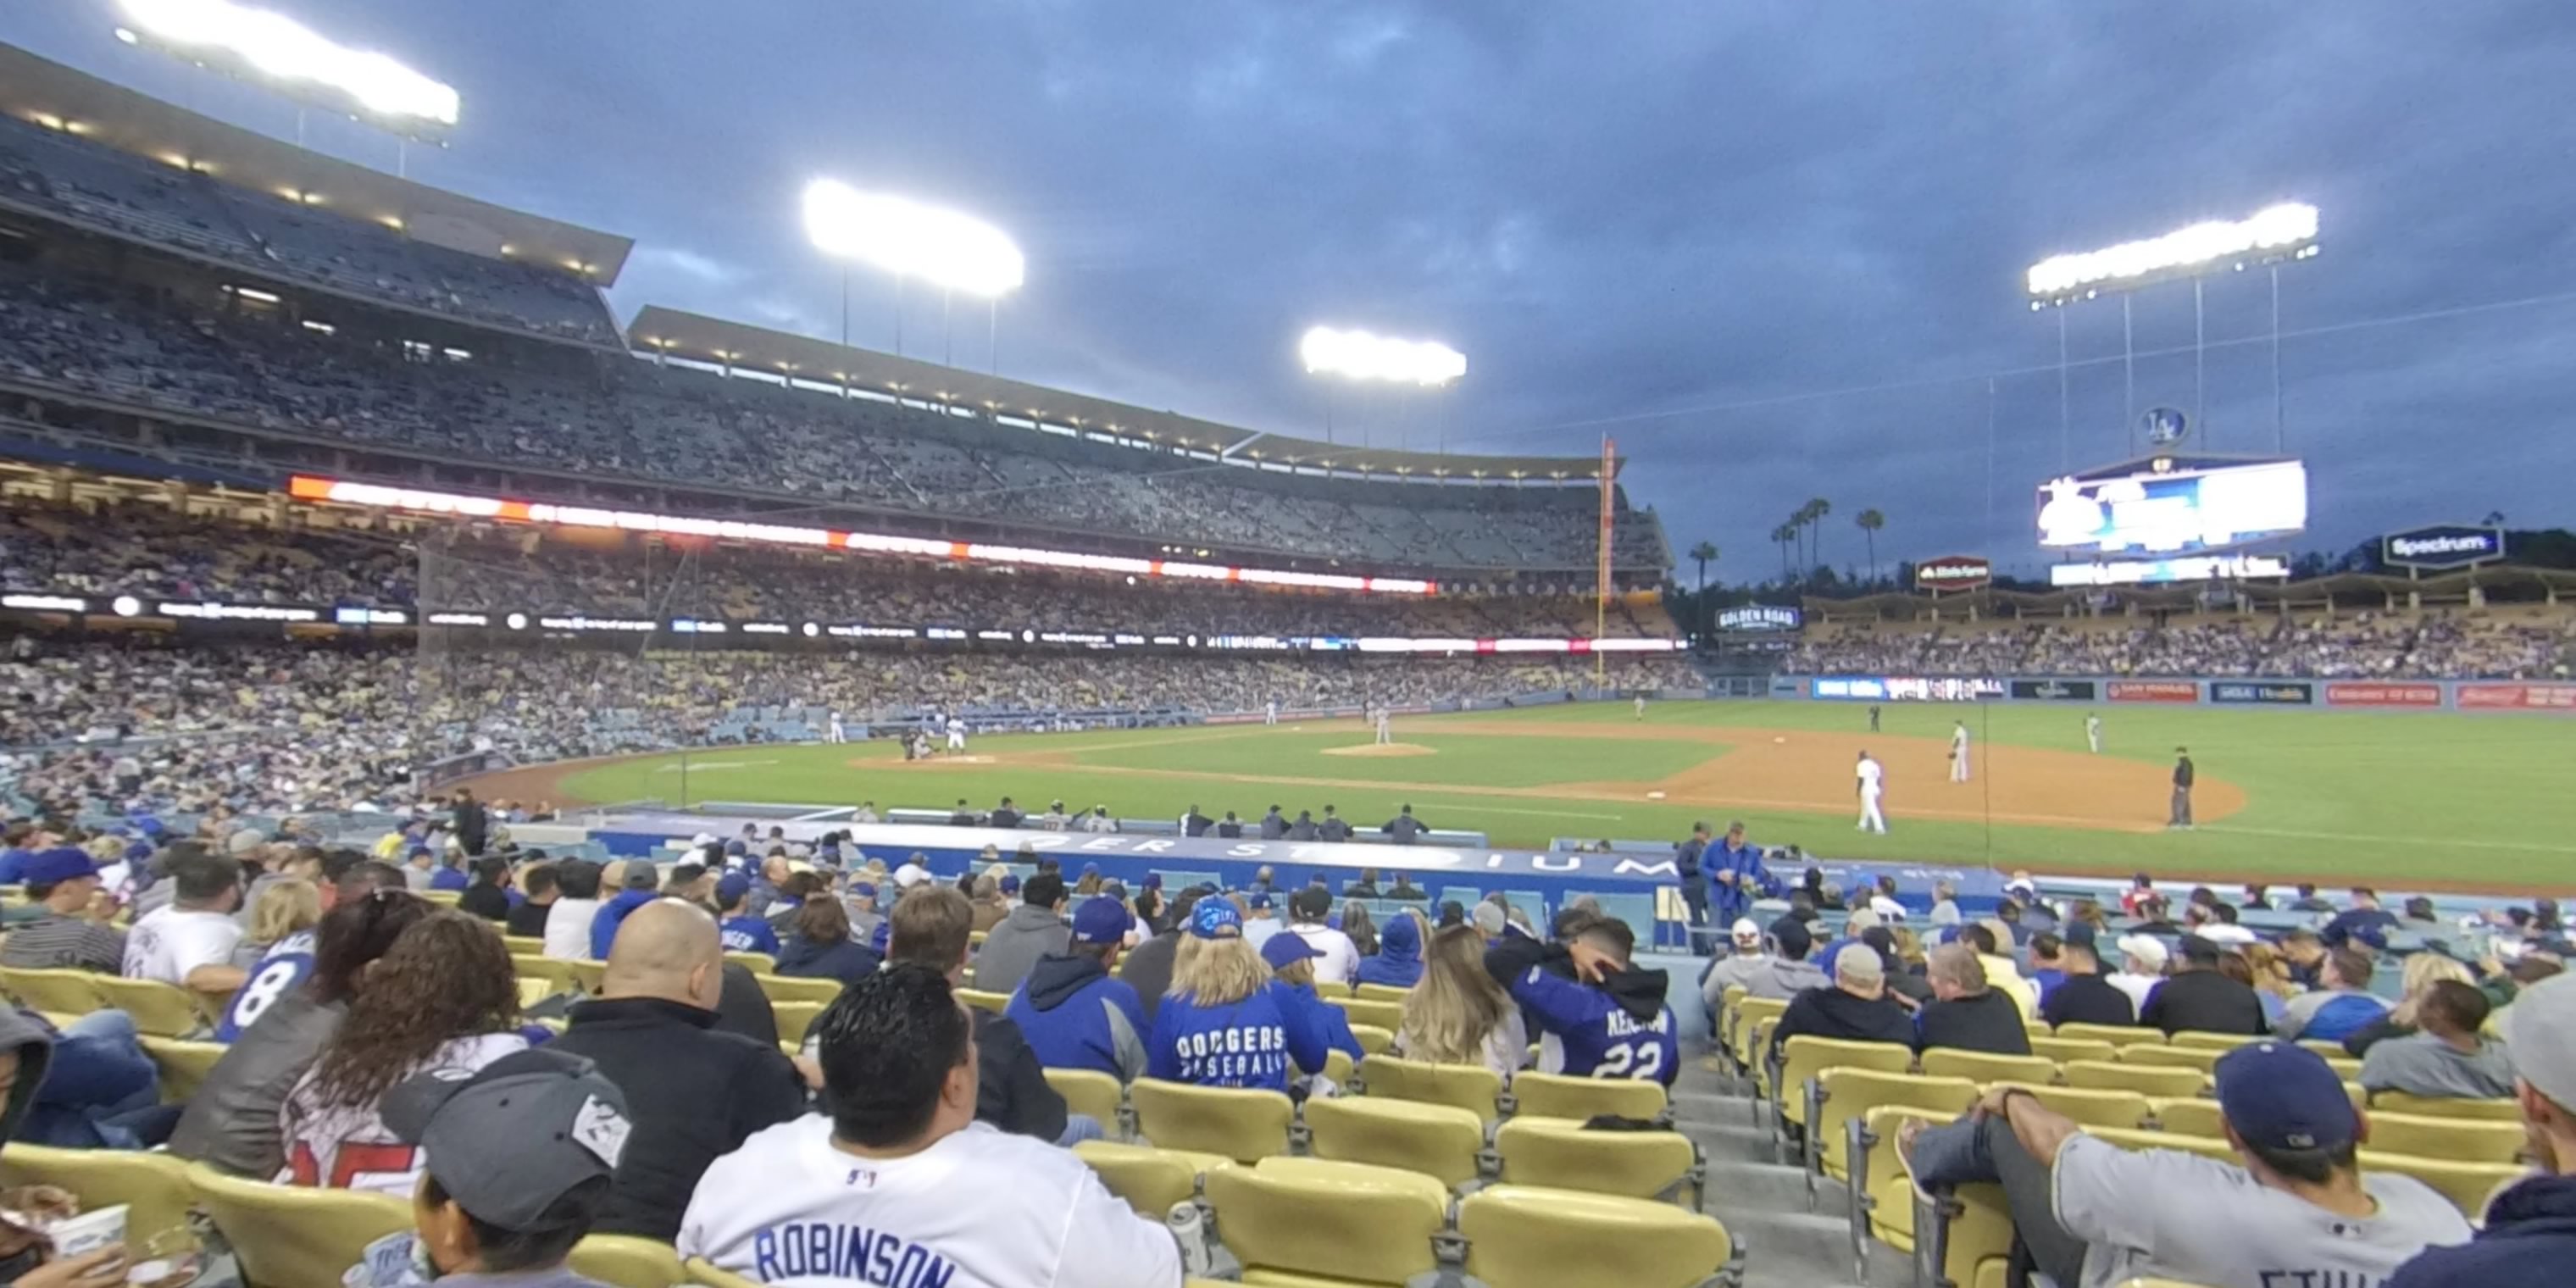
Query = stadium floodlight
x=1362 y=356
x=2286 y=231
x=277 y=47
x=909 y=239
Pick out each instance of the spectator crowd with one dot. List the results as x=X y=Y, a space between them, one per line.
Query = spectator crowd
x=2430 y=645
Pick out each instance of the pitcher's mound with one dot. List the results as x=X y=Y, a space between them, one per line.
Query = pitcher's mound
x=1383 y=749
x=934 y=762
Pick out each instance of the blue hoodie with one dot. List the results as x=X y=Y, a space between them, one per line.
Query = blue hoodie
x=748 y=934
x=2529 y=1238
x=1617 y=1029
x=603 y=928
x=1399 y=955
x=840 y=959
x=1248 y=1043
x=1075 y=1016
x=1332 y=1024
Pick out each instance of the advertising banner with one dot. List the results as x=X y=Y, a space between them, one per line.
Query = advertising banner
x=2056 y=690
x=1905 y=688
x=2353 y=693
x=2295 y=693
x=1953 y=572
x=2518 y=697
x=2443 y=545
x=1758 y=617
x=2154 y=691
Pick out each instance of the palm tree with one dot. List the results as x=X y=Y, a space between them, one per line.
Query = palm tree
x=1869 y=522
x=1703 y=554
x=1816 y=510
x=1784 y=536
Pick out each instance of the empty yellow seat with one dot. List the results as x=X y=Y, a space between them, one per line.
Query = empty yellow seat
x=1151 y=1180
x=1978 y=1066
x=1372 y=1039
x=524 y=945
x=2463 y=1140
x=292 y=1235
x=1555 y=1095
x=2220 y=1042
x=1311 y=1221
x=1803 y=1059
x=1440 y=1141
x=2063 y=1049
x=162 y=1010
x=1527 y=1236
x=2144 y=1079
x=1847 y=1096
x=1240 y=1123
x=183 y=1065
x=1360 y=1010
x=982 y=1000
x=1466 y=1086
x=2203 y=1059
x=794 y=1018
x=626 y=1261
x=2118 y=1035
x=2187 y=1116
x=2095 y=1108
x=756 y=963
x=66 y=991
x=2468 y=1186
x=1089 y=1091
x=154 y=1185
x=557 y=974
x=1568 y=1155
x=2399 y=1102
x=1381 y=993
x=1748 y=1016
x=784 y=988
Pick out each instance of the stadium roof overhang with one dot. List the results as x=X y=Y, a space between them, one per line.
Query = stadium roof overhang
x=704 y=339
x=46 y=92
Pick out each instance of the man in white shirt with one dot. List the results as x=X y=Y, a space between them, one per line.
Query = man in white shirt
x=1871 y=779
x=897 y=1185
x=576 y=906
x=2142 y=966
x=1337 y=959
x=1262 y=921
x=1958 y=751
x=190 y=943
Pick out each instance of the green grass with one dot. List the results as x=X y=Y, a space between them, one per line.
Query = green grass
x=2466 y=801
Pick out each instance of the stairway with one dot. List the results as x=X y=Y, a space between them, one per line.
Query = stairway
x=1764 y=1203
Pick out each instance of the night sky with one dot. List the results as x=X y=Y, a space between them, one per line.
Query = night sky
x=1775 y=249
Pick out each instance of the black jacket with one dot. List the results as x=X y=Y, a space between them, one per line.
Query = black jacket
x=802 y=958
x=2088 y=999
x=2203 y=1001
x=1988 y=1022
x=485 y=900
x=2529 y=1239
x=1011 y=1090
x=1148 y=970
x=1335 y=829
x=1830 y=1012
x=744 y=1009
x=1005 y=818
x=473 y=825
x=528 y=920
x=692 y=1094
x=1273 y=826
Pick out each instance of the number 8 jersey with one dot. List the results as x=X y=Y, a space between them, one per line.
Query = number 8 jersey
x=285 y=967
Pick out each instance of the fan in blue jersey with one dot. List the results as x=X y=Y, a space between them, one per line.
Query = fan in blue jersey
x=1225 y=1022
x=281 y=970
x=740 y=931
x=1610 y=1021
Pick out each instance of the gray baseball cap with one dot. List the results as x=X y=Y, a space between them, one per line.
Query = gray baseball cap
x=2540 y=1030
x=510 y=1140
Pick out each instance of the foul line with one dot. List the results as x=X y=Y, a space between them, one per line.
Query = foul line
x=2380 y=836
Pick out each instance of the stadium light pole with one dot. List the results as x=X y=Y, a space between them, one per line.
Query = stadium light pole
x=954 y=251
x=1361 y=356
x=273 y=49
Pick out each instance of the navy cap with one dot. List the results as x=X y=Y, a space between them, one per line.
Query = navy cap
x=1283 y=950
x=2278 y=1095
x=2080 y=933
x=1153 y=881
x=1259 y=902
x=59 y=864
x=1010 y=883
x=1211 y=918
x=731 y=887
x=1099 y=921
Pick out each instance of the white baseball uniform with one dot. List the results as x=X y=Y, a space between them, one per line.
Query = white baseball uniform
x=956 y=734
x=1641 y=706
x=1873 y=780
x=838 y=733
x=2093 y=733
x=1385 y=727
x=788 y=1208
x=1959 y=753
x=1270 y=712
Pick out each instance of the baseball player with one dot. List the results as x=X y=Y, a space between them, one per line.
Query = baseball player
x=2184 y=775
x=835 y=733
x=1873 y=717
x=956 y=733
x=1270 y=712
x=2093 y=731
x=1872 y=783
x=1641 y=706
x=1958 y=751
x=1385 y=726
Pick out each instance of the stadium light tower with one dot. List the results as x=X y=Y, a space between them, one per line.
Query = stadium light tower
x=1358 y=355
x=953 y=251
x=269 y=47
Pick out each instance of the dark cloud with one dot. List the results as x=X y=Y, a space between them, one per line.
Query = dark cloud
x=1774 y=249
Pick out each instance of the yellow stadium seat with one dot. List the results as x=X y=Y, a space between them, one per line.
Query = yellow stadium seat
x=2206 y=1146
x=1089 y=1091
x=2095 y=1108
x=704 y=1274
x=155 y=1185
x=2146 y=1081
x=1440 y=1141
x=162 y=1010
x=1567 y=1155
x=2468 y=1186
x=626 y=1261
x=1758 y=1048
x=1385 y=1015
x=1527 y=1236
x=1372 y=1039
x=557 y=974
x=62 y=992
x=1803 y=1059
x=982 y=1000
x=1466 y=1086
x=1980 y=1067
x=785 y=988
x=1883 y=1196
x=533 y=991
x=1722 y=1024
x=2399 y=1102
x=183 y=1065
x=1152 y=1181
x=1555 y=1095
x=443 y=898
x=2062 y=1049
x=1311 y=1221
x=756 y=963
x=794 y=1018
x=2330 y=1050
x=2460 y=1140
x=2187 y=1115
x=589 y=974
x=1967 y=1233
x=2345 y=1067
x=2203 y=1059
x=1845 y=1098
x=1747 y=1015
x=1241 y=1123
x=287 y=1234
x=1381 y=993
x=524 y=945
x=2118 y=1035
x=2220 y=1042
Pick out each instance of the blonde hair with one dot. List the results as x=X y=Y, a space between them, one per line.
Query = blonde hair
x=285 y=907
x=1448 y=1016
x=2423 y=971
x=2271 y=973
x=1216 y=972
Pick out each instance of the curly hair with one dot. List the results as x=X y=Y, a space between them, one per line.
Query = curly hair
x=447 y=977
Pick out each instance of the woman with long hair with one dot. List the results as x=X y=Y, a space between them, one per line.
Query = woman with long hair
x=818 y=944
x=2273 y=986
x=1225 y=1022
x=1458 y=1014
x=2423 y=970
x=444 y=999
x=284 y=907
x=1361 y=927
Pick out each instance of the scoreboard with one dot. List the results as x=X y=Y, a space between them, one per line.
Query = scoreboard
x=2168 y=505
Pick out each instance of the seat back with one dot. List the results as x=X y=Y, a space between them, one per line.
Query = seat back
x=1564 y=1154
x=525 y=945
x=757 y=963
x=63 y=992
x=1361 y=1010
x=1382 y=993
x=2118 y=1035
x=1852 y=1093
x=155 y=1186
x=1439 y=1141
x=1556 y=1095
x=1089 y=1091
x=983 y=1000
x=1802 y=1058
x=1349 y=1223
x=1528 y=1236
x=2095 y=1108
x=2468 y=1186
x=794 y=1018
x=556 y=973
x=1372 y=1039
x=1241 y=1123
x=704 y=1274
x=2219 y=1042
x=1887 y=1193
x=2399 y=1102
x=162 y=1010
x=784 y=988
x=1750 y=1012
x=2215 y=1147
x=2143 y=1079
x=1465 y=1086
x=2187 y=1115
x=1152 y=1180
x=626 y=1261
x=1978 y=1066
x=287 y=1234
x=2063 y=1049
x=2464 y=1140
x=183 y=1065
x=2204 y=1059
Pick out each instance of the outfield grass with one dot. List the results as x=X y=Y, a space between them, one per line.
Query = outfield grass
x=2463 y=801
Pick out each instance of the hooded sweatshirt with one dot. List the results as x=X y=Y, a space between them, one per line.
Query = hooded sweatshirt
x=34 y=1043
x=1075 y=1016
x=1013 y=948
x=1249 y=1042
x=1786 y=979
x=1618 y=1028
x=612 y=914
x=2529 y=1238
x=1398 y=962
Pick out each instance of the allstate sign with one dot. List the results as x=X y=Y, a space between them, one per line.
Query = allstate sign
x=2444 y=545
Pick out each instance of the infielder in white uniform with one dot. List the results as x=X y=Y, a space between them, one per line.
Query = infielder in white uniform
x=956 y=733
x=897 y=1185
x=833 y=732
x=1872 y=782
x=1641 y=706
x=1958 y=751
x=2093 y=732
x=1270 y=712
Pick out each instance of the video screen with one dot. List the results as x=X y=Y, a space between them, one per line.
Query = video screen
x=2177 y=511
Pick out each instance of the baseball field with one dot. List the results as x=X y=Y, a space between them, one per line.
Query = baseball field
x=2468 y=802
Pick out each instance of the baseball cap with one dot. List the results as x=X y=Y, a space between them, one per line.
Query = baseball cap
x=1861 y=968
x=1489 y=920
x=1745 y=933
x=1860 y=920
x=1099 y=921
x=515 y=1137
x=2540 y=1030
x=59 y=864
x=1211 y=918
x=1793 y=936
x=1284 y=949
x=910 y=875
x=2278 y=1095
x=2147 y=949
x=1152 y=881
x=2081 y=934
x=702 y=839
x=643 y=876
x=1259 y=903
x=2199 y=951
x=1010 y=883
x=1311 y=903
x=732 y=886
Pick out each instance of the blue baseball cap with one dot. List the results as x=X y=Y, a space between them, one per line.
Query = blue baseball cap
x=731 y=888
x=1099 y=921
x=1259 y=902
x=1153 y=881
x=2278 y=1095
x=1284 y=950
x=882 y=938
x=2081 y=933
x=1212 y=918
x=1010 y=883
x=59 y=864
